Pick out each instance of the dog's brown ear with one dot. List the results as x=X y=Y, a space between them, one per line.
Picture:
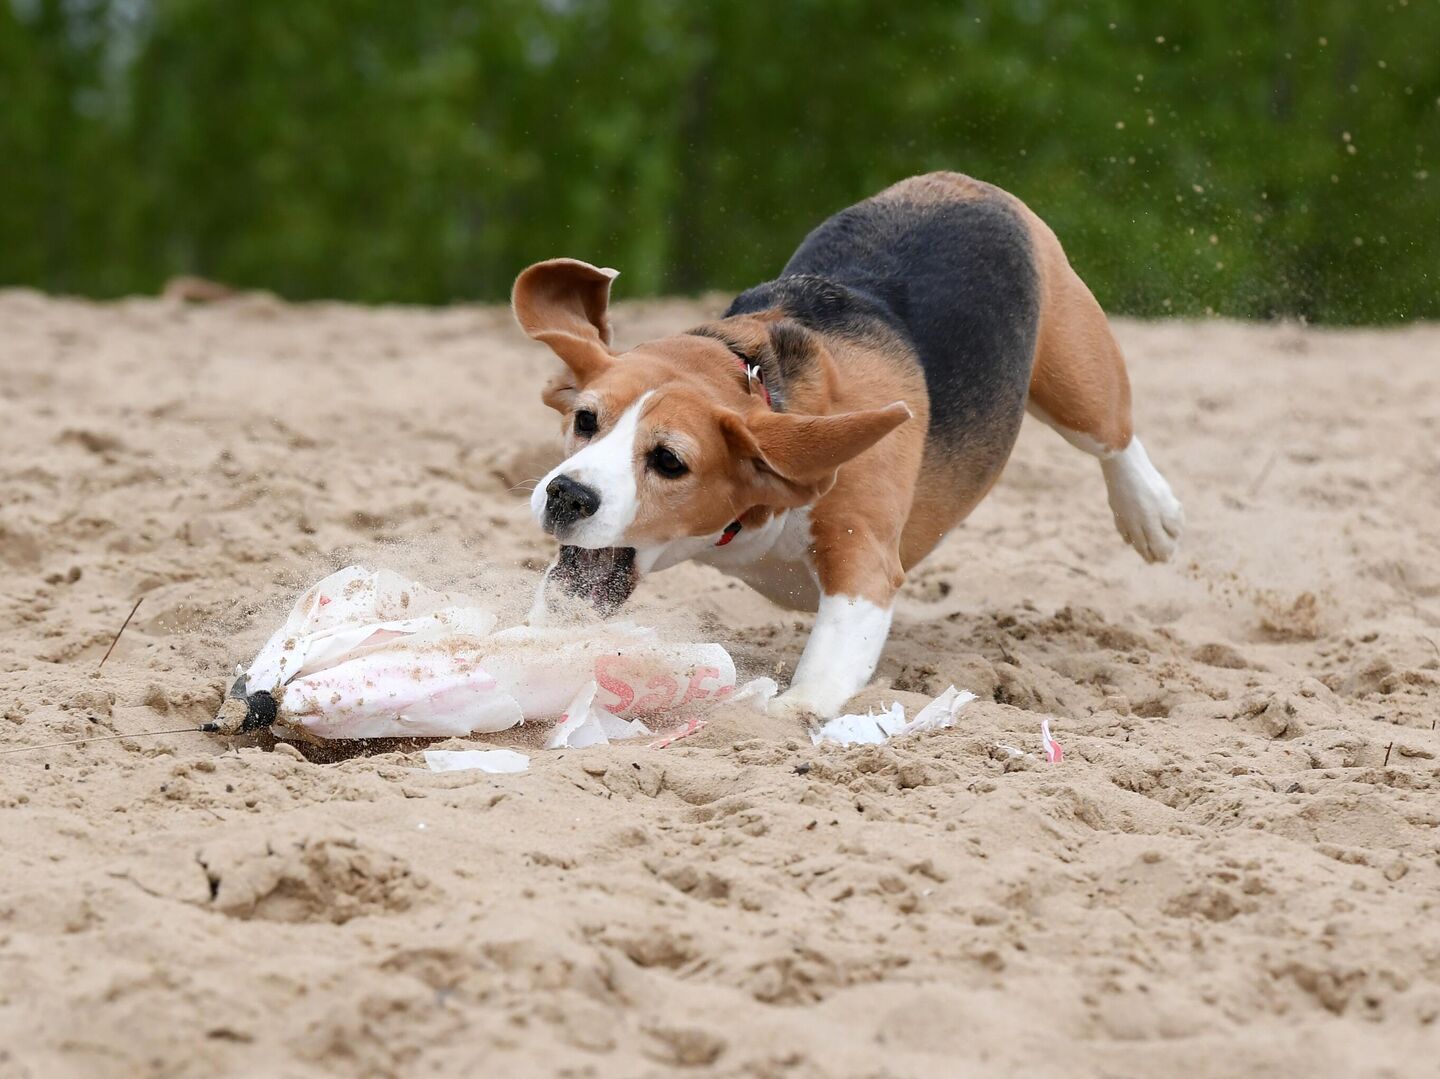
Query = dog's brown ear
x=797 y=455
x=565 y=303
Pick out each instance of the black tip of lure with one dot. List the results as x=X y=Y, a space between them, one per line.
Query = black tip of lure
x=260 y=711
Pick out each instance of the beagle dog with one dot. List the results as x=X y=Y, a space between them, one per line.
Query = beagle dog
x=820 y=438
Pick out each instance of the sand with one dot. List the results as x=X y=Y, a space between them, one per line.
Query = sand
x=1235 y=871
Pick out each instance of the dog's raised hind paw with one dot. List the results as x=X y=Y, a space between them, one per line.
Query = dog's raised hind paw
x=1147 y=513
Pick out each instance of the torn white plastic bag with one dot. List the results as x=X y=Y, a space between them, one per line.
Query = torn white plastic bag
x=371 y=655
x=873 y=729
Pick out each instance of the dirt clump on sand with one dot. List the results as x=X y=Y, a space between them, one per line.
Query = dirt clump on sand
x=1234 y=871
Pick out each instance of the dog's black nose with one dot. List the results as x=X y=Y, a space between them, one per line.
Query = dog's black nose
x=567 y=501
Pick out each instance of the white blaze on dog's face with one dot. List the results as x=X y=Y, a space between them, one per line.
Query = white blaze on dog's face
x=667 y=441
x=592 y=497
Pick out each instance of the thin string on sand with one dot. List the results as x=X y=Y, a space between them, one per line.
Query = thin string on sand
x=105 y=737
x=101 y=738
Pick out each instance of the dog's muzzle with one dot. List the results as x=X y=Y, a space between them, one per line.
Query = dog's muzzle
x=566 y=502
x=604 y=577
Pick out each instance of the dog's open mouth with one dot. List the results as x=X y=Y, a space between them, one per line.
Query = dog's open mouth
x=605 y=577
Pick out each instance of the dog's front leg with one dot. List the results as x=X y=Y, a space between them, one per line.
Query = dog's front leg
x=839 y=657
x=859 y=576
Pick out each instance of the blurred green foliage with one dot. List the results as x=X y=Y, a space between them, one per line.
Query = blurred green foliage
x=1255 y=159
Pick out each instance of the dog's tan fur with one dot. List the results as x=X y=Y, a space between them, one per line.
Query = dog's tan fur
x=1079 y=379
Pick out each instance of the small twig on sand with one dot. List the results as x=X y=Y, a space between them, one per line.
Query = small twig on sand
x=120 y=631
x=1264 y=474
x=1386 y=763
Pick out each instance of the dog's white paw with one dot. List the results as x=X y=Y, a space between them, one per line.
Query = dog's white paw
x=1147 y=513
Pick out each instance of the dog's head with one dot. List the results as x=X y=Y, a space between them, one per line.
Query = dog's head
x=669 y=443
x=672 y=442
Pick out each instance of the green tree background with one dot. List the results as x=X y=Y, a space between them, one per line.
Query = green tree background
x=1275 y=157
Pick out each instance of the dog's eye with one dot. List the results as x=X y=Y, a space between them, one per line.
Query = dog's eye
x=666 y=463
x=585 y=423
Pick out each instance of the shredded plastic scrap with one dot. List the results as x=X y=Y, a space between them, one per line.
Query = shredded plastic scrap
x=873 y=729
x=1054 y=751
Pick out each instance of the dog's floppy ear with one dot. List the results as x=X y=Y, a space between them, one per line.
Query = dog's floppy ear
x=797 y=455
x=565 y=303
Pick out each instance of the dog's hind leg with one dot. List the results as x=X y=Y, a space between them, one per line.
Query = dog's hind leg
x=1080 y=388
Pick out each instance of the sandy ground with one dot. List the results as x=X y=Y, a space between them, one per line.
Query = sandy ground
x=1235 y=871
